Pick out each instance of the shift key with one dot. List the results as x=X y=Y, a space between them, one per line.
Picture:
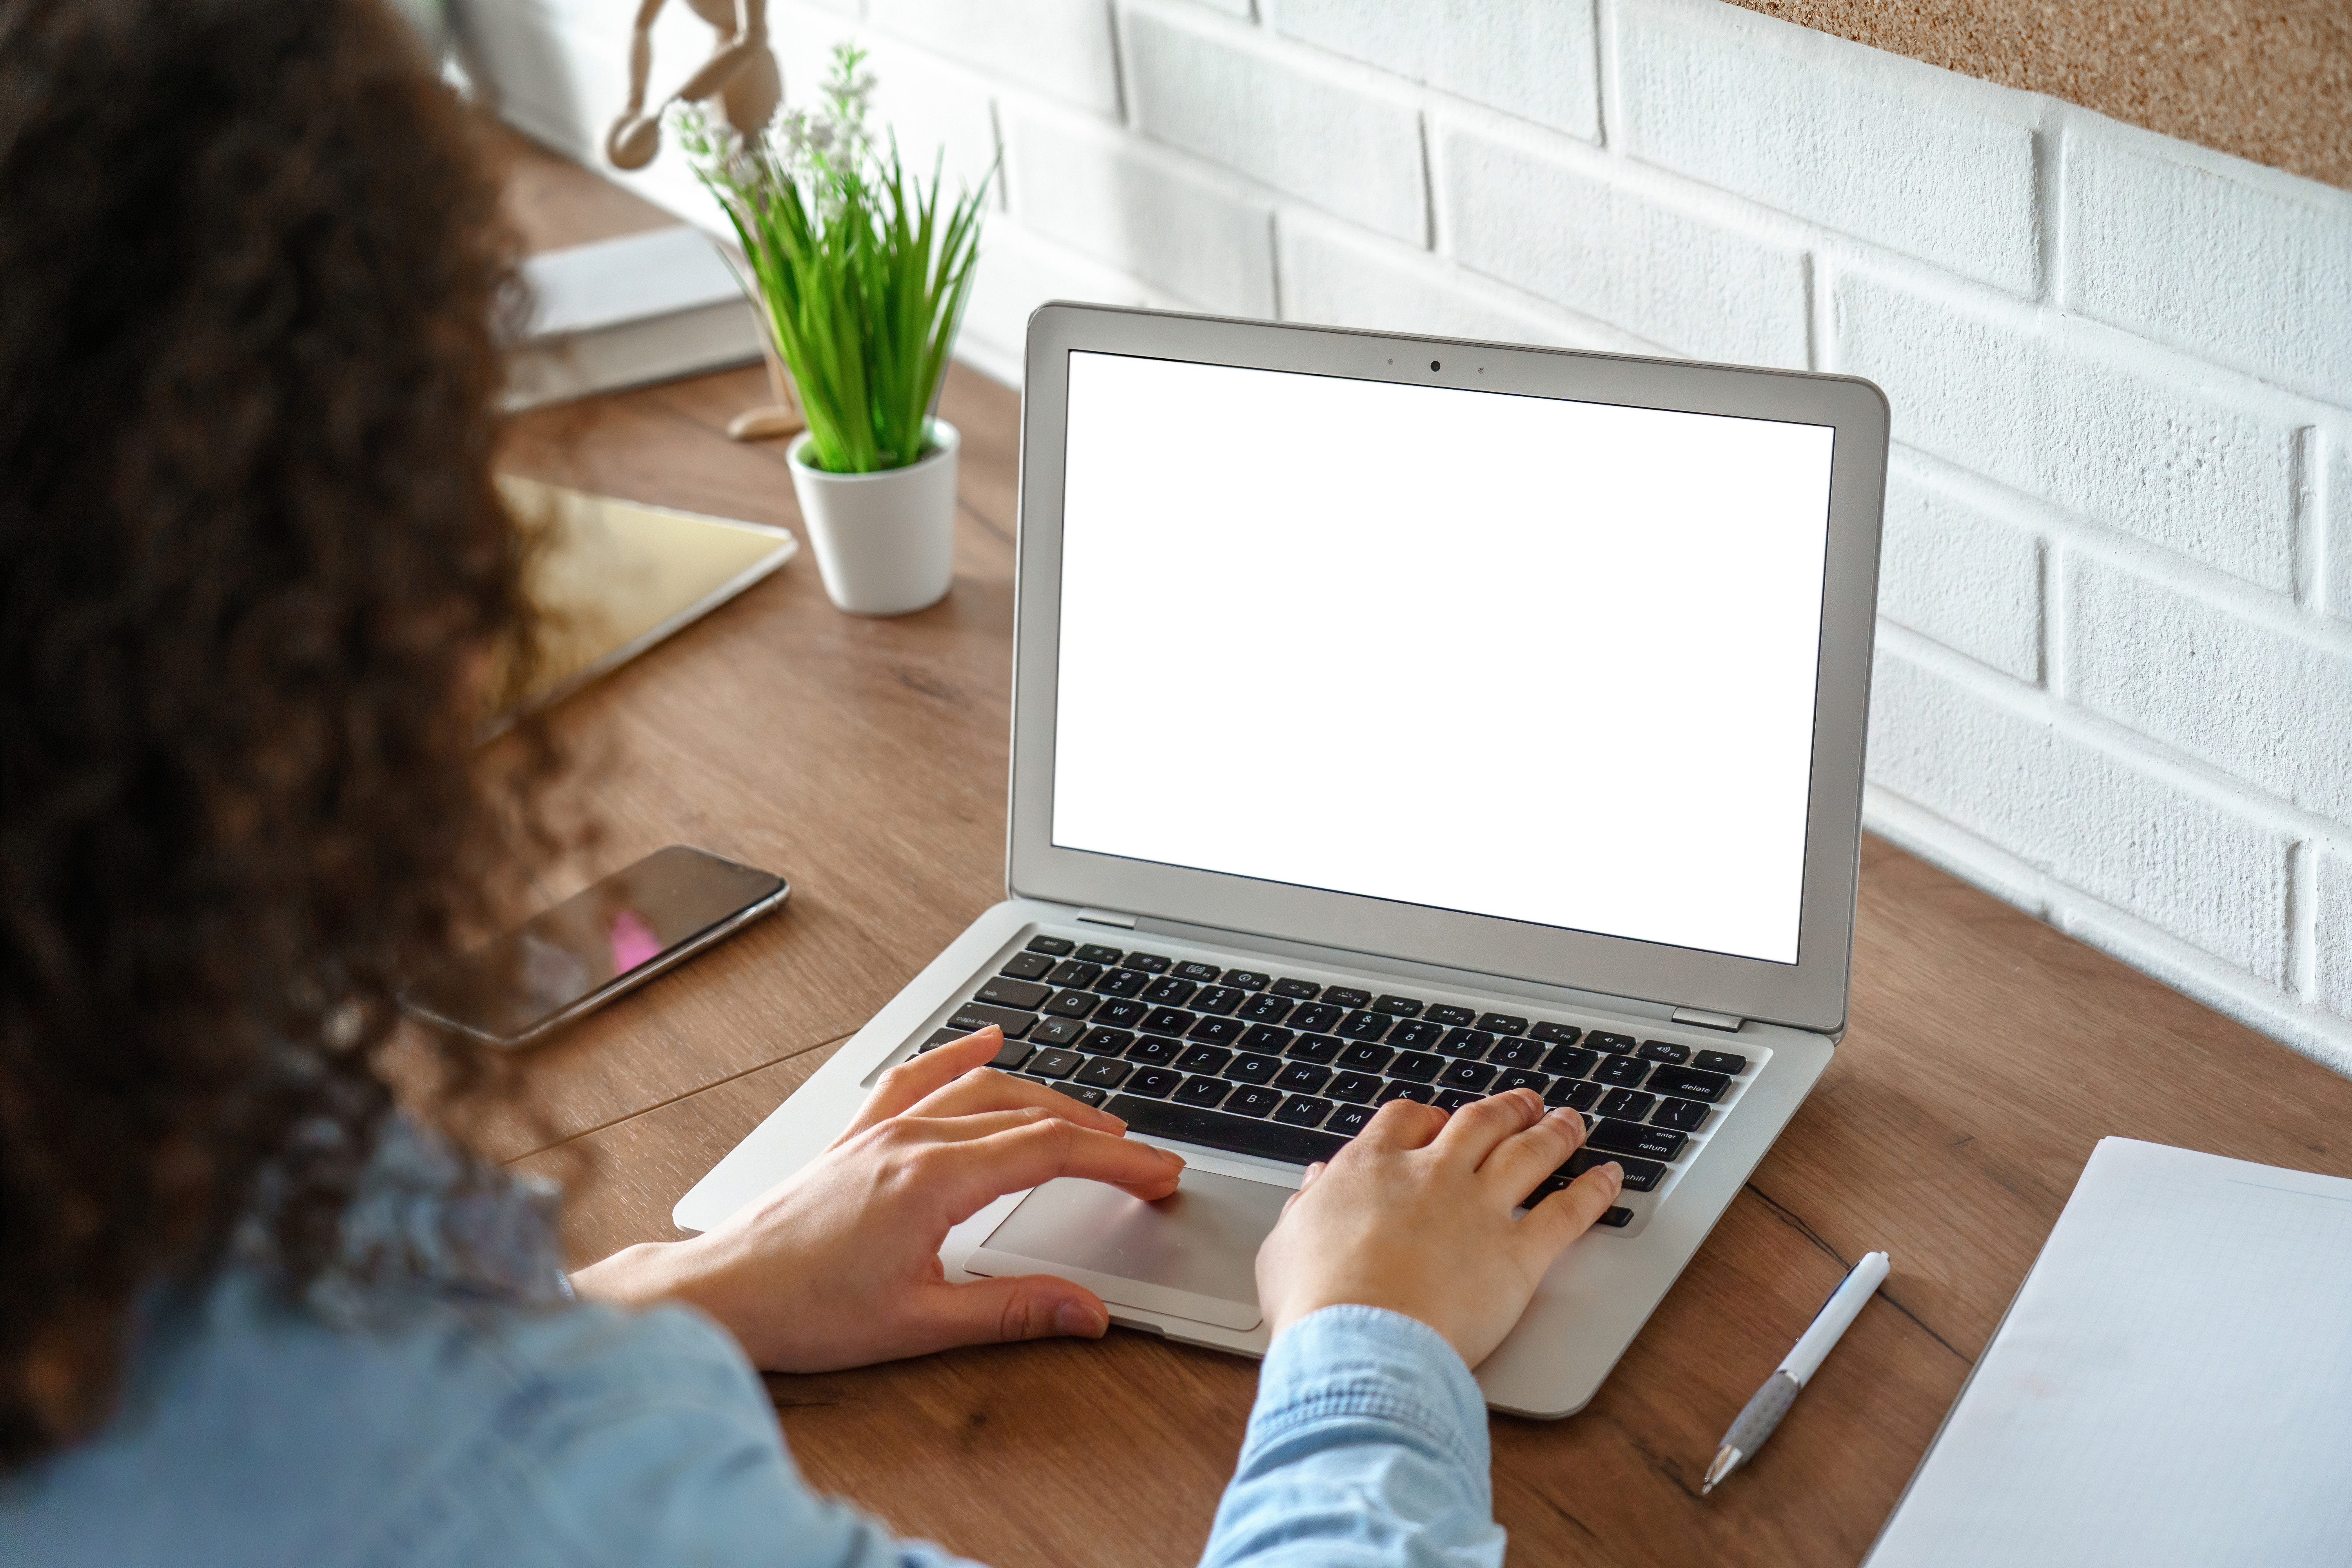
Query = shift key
x=980 y=1015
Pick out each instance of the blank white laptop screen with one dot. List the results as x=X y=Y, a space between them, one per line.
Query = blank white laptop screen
x=1521 y=656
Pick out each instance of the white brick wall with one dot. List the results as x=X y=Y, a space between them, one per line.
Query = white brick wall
x=2114 y=682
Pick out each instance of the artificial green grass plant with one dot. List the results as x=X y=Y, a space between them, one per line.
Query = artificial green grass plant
x=863 y=279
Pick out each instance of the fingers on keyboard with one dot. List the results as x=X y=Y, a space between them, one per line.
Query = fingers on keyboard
x=1291 y=1069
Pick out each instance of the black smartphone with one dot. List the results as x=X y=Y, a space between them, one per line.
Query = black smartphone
x=608 y=938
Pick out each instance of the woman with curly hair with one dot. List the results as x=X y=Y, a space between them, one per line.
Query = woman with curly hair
x=253 y=1310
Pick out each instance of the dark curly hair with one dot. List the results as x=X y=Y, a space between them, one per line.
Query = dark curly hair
x=254 y=569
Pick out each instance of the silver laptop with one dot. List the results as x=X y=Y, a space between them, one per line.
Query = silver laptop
x=1399 y=716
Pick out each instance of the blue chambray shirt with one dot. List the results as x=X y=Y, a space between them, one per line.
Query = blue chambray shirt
x=447 y=1419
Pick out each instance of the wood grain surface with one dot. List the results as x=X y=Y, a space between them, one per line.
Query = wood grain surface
x=866 y=759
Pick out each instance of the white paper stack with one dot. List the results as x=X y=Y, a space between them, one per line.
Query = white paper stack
x=2173 y=1384
x=620 y=312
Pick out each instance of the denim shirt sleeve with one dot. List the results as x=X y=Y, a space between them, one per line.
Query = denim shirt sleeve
x=670 y=1454
x=1368 y=1446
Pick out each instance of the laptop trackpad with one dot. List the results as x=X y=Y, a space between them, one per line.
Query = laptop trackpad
x=1192 y=1255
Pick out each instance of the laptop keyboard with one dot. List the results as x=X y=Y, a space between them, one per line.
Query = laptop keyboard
x=1290 y=1069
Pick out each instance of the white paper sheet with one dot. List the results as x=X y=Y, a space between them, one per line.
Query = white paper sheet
x=2172 y=1385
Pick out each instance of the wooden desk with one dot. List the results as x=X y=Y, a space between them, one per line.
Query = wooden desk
x=866 y=760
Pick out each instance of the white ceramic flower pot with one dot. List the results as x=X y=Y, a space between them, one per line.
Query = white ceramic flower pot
x=884 y=543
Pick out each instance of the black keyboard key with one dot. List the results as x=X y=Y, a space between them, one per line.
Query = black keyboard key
x=1204 y=1059
x=1453 y=1100
x=1149 y=962
x=1467 y=1043
x=1265 y=1037
x=1395 y=1090
x=1366 y=1058
x=1602 y=1040
x=1556 y=1033
x=974 y=1015
x=1155 y=1051
x=1688 y=1083
x=1169 y=992
x=1104 y=1072
x=1024 y=995
x=1009 y=1055
x=1319 y=1048
x=1055 y=1031
x=1503 y=1023
x=1296 y=990
x=1028 y=966
x=1216 y=1031
x=1417 y=1034
x=1203 y=1091
x=1641 y=1175
x=1106 y=1042
x=1245 y=979
x=1096 y=952
x=1347 y=1121
x=1248 y=1069
x=1472 y=1076
x=1075 y=972
x=1123 y=1013
x=1622 y=1071
x=1253 y=1099
x=1072 y=1004
x=1518 y=1078
x=1665 y=1051
x=1574 y=1096
x=1403 y=1006
x=1122 y=982
x=1681 y=1115
x=1317 y=1018
x=1196 y=971
x=1359 y=1088
x=1303 y=1077
x=1218 y=999
x=1052 y=946
x=1625 y=1138
x=1615 y=1219
x=1516 y=1053
x=1452 y=1017
x=1730 y=1062
x=1267 y=1008
x=1417 y=1066
x=1085 y=1092
x=1054 y=1064
x=1166 y=1021
x=1545 y=1188
x=1157 y=1083
x=1215 y=1129
x=1347 y=996
x=1302 y=1111
x=1630 y=1103
x=1571 y=1061
x=1363 y=1026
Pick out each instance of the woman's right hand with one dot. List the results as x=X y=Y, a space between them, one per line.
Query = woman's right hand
x=1415 y=1216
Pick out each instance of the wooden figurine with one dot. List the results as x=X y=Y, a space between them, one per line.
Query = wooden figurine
x=741 y=74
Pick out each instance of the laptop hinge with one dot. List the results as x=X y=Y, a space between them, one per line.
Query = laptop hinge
x=1724 y=1021
x=1124 y=922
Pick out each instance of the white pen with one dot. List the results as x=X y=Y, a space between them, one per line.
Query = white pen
x=1779 y=1391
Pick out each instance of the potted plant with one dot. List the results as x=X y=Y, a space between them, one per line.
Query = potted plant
x=861 y=282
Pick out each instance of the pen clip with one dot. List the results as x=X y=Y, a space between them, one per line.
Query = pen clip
x=1834 y=1291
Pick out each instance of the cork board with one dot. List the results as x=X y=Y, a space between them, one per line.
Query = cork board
x=2269 y=82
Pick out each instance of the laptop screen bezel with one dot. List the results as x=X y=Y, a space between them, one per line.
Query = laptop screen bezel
x=1809 y=994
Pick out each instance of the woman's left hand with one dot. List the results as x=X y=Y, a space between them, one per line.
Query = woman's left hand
x=838 y=1265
